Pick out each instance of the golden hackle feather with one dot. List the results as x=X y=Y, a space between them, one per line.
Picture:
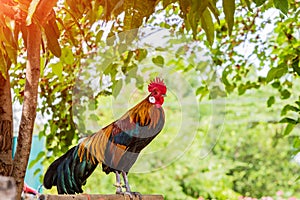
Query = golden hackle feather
x=94 y=146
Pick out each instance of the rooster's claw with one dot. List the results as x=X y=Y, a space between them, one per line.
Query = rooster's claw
x=131 y=194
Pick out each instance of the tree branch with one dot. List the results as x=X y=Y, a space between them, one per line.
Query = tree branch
x=29 y=106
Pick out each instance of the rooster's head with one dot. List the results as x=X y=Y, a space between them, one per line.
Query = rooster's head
x=158 y=91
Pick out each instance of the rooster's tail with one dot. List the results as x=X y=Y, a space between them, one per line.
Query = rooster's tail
x=68 y=173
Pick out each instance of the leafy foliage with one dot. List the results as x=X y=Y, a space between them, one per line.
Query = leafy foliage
x=278 y=54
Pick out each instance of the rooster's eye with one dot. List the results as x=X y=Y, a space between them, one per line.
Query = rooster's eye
x=151 y=99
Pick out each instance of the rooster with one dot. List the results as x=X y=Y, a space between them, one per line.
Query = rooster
x=115 y=146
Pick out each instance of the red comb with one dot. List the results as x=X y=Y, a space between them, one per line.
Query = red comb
x=158 y=84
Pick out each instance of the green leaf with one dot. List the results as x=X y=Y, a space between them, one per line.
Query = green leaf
x=288 y=120
x=37 y=171
x=139 y=82
x=208 y=26
x=117 y=88
x=276 y=84
x=43 y=132
x=225 y=73
x=92 y=105
x=99 y=36
x=241 y=89
x=122 y=48
x=93 y=117
x=181 y=51
x=282 y=5
x=159 y=61
x=38 y=157
x=285 y=94
x=276 y=72
x=271 y=101
x=259 y=2
x=288 y=108
x=229 y=8
x=140 y=54
x=215 y=92
x=296 y=143
x=296 y=67
x=288 y=129
x=202 y=91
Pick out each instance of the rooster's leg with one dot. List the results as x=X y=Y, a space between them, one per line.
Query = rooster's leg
x=118 y=183
x=127 y=187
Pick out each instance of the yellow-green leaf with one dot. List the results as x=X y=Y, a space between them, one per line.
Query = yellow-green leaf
x=288 y=129
x=6 y=35
x=208 y=26
x=12 y=54
x=99 y=36
x=194 y=15
x=3 y=67
x=199 y=6
x=229 y=8
x=67 y=56
x=57 y=69
x=31 y=10
x=213 y=8
x=248 y=3
x=128 y=19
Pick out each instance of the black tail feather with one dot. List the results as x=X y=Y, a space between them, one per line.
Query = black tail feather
x=68 y=173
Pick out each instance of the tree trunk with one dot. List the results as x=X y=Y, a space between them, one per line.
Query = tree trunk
x=6 y=126
x=20 y=162
x=29 y=106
